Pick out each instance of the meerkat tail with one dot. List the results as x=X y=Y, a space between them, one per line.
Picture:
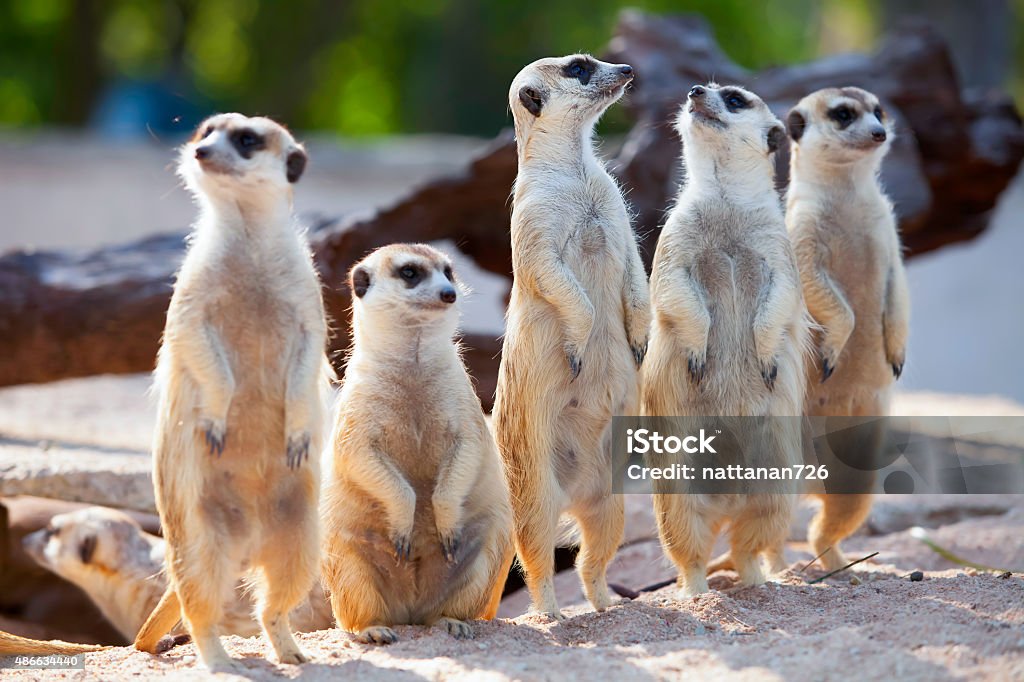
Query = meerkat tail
x=11 y=645
x=723 y=562
x=164 y=617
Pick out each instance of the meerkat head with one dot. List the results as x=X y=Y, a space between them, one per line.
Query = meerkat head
x=729 y=125
x=88 y=542
x=565 y=95
x=405 y=286
x=232 y=153
x=839 y=126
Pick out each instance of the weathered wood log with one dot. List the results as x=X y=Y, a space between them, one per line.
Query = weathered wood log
x=65 y=315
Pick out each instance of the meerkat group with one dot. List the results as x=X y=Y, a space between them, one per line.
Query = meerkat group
x=755 y=309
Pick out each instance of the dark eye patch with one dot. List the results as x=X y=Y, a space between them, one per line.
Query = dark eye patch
x=734 y=100
x=580 y=69
x=449 y=274
x=843 y=115
x=247 y=142
x=410 y=273
x=879 y=114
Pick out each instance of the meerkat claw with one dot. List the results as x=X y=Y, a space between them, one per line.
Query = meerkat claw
x=697 y=369
x=215 y=435
x=639 y=353
x=826 y=370
x=450 y=546
x=897 y=369
x=298 y=450
x=575 y=364
x=770 y=373
x=403 y=548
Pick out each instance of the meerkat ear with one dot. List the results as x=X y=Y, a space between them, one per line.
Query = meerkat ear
x=795 y=124
x=532 y=100
x=776 y=138
x=295 y=164
x=360 y=282
x=87 y=548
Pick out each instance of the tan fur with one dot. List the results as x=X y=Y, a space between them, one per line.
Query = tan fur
x=13 y=645
x=121 y=567
x=729 y=325
x=848 y=250
x=241 y=380
x=576 y=328
x=416 y=515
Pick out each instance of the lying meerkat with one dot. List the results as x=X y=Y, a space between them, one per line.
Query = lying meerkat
x=416 y=514
x=730 y=326
x=848 y=250
x=576 y=326
x=241 y=379
x=120 y=566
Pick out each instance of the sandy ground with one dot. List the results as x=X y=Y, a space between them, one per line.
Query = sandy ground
x=949 y=626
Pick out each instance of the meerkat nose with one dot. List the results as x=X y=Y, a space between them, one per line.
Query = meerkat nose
x=203 y=153
x=695 y=92
x=878 y=135
x=626 y=70
x=448 y=295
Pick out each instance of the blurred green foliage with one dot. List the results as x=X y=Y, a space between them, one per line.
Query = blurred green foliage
x=362 y=67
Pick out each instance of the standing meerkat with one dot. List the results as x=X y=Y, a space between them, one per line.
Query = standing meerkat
x=848 y=250
x=241 y=379
x=121 y=567
x=417 y=522
x=576 y=327
x=730 y=326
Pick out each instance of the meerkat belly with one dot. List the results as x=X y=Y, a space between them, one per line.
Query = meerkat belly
x=732 y=280
x=862 y=367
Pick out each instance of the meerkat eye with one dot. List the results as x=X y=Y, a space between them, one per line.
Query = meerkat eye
x=206 y=133
x=448 y=273
x=247 y=142
x=842 y=114
x=879 y=114
x=734 y=102
x=576 y=70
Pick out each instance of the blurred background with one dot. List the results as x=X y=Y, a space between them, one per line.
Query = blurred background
x=95 y=94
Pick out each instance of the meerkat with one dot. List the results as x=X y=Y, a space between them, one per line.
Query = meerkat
x=730 y=326
x=848 y=250
x=120 y=567
x=576 y=325
x=241 y=379
x=416 y=515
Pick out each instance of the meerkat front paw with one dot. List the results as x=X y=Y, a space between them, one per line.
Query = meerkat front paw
x=639 y=352
x=377 y=634
x=451 y=541
x=829 y=358
x=896 y=361
x=298 y=449
x=574 y=356
x=697 y=365
x=402 y=544
x=769 y=372
x=214 y=433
